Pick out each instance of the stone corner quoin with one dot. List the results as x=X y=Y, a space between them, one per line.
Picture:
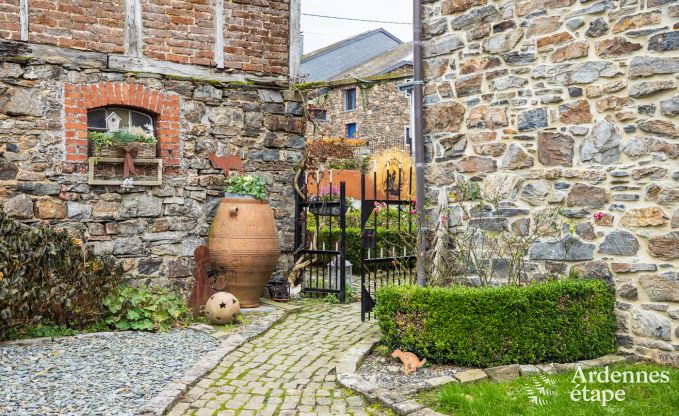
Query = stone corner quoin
x=576 y=105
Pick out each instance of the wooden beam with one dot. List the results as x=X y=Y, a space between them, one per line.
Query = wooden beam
x=23 y=19
x=295 y=43
x=219 y=33
x=133 y=28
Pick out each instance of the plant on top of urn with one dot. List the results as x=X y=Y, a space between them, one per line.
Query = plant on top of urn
x=124 y=136
x=144 y=309
x=247 y=185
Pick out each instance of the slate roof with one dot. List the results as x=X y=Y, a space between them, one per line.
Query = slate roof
x=326 y=63
x=386 y=62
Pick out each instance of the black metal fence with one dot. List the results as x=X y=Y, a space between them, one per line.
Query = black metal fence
x=320 y=241
x=387 y=242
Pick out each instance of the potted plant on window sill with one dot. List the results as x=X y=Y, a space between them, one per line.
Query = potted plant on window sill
x=243 y=240
x=113 y=144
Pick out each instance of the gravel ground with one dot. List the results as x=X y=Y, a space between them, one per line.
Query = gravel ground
x=101 y=374
x=388 y=372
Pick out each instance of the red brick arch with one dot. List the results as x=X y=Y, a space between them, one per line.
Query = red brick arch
x=79 y=98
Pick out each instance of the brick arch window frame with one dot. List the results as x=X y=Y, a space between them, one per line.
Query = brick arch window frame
x=80 y=98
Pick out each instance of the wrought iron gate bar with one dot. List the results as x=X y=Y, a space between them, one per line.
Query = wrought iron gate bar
x=380 y=270
x=314 y=277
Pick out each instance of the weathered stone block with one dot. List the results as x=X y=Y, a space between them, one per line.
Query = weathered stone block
x=662 y=287
x=665 y=247
x=645 y=66
x=52 y=209
x=576 y=112
x=644 y=217
x=555 y=149
x=567 y=249
x=516 y=158
x=445 y=117
x=503 y=42
x=483 y=117
x=620 y=243
x=603 y=144
x=649 y=324
x=19 y=207
x=532 y=119
x=476 y=164
x=645 y=88
x=587 y=196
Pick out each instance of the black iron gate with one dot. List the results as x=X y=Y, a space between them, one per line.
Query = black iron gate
x=320 y=241
x=388 y=229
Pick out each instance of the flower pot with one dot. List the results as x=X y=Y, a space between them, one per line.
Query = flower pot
x=144 y=150
x=244 y=246
x=326 y=209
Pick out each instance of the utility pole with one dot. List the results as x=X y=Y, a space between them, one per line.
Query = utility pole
x=418 y=100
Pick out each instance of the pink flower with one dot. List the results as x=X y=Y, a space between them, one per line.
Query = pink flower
x=599 y=216
x=413 y=211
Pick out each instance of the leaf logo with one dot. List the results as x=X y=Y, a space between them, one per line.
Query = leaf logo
x=539 y=392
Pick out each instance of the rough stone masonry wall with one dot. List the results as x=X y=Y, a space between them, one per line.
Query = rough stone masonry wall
x=153 y=230
x=382 y=112
x=574 y=104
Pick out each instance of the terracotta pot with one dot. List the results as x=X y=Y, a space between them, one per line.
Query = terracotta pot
x=244 y=247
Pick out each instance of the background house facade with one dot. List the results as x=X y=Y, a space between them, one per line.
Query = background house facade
x=211 y=75
x=363 y=100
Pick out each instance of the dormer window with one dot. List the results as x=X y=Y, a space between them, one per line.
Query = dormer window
x=118 y=118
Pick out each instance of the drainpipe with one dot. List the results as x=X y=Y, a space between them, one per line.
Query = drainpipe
x=418 y=100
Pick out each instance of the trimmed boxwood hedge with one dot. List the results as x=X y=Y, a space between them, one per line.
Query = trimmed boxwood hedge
x=558 y=321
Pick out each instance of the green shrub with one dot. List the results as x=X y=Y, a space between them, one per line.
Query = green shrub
x=144 y=309
x=47 y=277
x=386 y=240
x=557 y=321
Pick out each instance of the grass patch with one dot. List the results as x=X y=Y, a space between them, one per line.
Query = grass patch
x=513 y=398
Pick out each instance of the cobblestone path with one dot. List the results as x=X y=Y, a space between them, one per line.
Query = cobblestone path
x=290 y=370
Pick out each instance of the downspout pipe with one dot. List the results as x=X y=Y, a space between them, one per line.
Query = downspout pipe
x=418 y=101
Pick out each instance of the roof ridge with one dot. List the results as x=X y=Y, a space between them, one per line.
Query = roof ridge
x=327 y=49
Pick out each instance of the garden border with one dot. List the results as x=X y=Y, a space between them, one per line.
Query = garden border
x=403 y=401
x=173 y=391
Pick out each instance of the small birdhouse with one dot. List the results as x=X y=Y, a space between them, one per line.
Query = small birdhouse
x=113 y=122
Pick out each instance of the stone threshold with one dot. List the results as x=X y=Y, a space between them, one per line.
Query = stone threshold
x=403 y=402
x=170 y=395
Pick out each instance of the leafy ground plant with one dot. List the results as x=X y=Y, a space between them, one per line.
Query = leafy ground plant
x=144 y=309
x=552 y=395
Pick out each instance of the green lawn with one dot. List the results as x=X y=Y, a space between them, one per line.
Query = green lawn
x=519 y=397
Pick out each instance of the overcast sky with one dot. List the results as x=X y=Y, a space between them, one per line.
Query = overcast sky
x=320 y=32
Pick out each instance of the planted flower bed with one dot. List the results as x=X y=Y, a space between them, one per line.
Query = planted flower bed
x=558 y=321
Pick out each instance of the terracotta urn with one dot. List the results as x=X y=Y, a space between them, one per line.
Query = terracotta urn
x=222 y=308
x=244 y=247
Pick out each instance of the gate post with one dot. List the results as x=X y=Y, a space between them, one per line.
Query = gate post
x=343 y=246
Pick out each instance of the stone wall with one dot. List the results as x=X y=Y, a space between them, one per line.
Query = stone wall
x=153 y=230
x=254 y=34
x=571 y=104
x=382 y=112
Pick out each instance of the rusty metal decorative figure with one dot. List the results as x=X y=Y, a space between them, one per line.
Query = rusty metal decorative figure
x=226 y=163
x=202 y=288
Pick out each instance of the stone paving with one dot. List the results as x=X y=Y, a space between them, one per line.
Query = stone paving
x=290 y=370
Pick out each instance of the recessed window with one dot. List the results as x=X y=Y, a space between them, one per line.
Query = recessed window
x=350 y=99
x=351 y=131
x=118 y=118
x=320 y=115
x=407 y=137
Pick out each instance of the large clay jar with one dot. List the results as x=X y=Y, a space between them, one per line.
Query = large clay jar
x=244 y=247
